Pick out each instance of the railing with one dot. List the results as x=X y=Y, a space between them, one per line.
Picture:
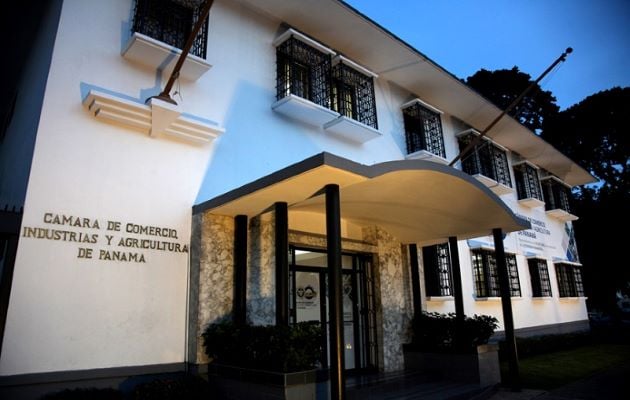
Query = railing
x=170 y=22
x=423 y=130
x=557 y=195
x=437 y=270
x=486 y=159
x=303 y=71
x=527 y=182
x=353 y=95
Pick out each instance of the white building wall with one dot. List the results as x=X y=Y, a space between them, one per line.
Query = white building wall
x=92 y=313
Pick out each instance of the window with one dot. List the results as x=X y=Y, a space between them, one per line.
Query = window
x=170 y=22
x=541 y=286
x=569 y=280
x=423 y=130
x=303 y=71
x=486 y=159
x=487 y=277
x=556 y=194
x=527 y=182
x=353 y=94
x=437 y=270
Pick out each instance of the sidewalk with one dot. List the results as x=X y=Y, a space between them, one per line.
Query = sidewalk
x=611 y=384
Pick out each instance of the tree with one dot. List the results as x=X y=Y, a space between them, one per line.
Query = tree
x=504 y=85
x=594 y=133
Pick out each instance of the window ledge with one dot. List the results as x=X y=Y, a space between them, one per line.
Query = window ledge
x=561 y=215
x=545 y=298
x=498 y=188
x=497 y=298
x=427 y=156
x=155 y=119
x=531 y=202
x=152 y=53
x=351 y=130
x=568 y=299
x=304 y=110
x=440 y=298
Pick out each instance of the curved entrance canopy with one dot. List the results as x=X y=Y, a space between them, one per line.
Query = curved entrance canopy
x=413 y=200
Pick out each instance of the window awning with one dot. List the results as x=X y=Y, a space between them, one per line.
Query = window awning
x=414 y=200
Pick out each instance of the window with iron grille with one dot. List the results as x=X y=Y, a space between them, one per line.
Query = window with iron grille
x=487 y=277
x=486 y=159
x=353 y=95
x=423 y=130
x=303 y=71
x=170 y=22
x=437 y=270
x=541 y=285
x=556 y=194
x=569 y=278
x=527 y=182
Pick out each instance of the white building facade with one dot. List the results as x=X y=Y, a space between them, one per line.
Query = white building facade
x=126 y=245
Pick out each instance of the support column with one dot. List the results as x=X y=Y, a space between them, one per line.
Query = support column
x=282 y=263
x=415 y=280
x=333 y=243
x=239 y=312
x=458 y=295
x=506 y=304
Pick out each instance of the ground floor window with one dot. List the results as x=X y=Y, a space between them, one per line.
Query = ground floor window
x=437 y=270
x=308 y=299
x=487 y=277
x=541 y=285
x=569 y=280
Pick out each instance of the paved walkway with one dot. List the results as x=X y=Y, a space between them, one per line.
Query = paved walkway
x=611 y=384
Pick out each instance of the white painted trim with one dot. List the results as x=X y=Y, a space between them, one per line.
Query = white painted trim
x=556 y=179
x=485 y=137
x=339 y=58
x=440 y=298
x=302 y=38
x=422 y=103
x=136 y=115
x=516 y=164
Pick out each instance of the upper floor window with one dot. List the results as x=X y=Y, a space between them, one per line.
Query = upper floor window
x=541 y=286
x=569 y=280
x=352 y=93
x=437 y=270
x=557 y=194
x=486 y=159
x=527 y=182
x=423 y=129
x=304 y=71
x=170 y=22
x=487 y=276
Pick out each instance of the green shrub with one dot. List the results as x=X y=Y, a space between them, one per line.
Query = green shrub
x=274 y=348
x=85 y=393
x=435 y=332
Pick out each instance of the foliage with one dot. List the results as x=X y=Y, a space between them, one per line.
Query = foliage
x=274 y=348
x=186 y=387
x=503 y=86
x=435 y=332
x=85 y=393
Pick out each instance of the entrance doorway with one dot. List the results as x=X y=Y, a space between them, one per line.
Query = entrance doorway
x=308 y=299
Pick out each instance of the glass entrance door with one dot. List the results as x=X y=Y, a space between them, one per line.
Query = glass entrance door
x=309 y=302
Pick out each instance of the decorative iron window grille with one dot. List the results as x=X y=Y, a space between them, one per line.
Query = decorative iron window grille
x=486 y=159
x=423 y=130
x=487 y=276
x=541 y=285
x=570 y=282
x=171 y=21
x=557 y=195
x=437 y=270
x=527 y=182
x=353 y=95
x=303 y=71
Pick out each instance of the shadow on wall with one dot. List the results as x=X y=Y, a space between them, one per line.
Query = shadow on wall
x=256 y=142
